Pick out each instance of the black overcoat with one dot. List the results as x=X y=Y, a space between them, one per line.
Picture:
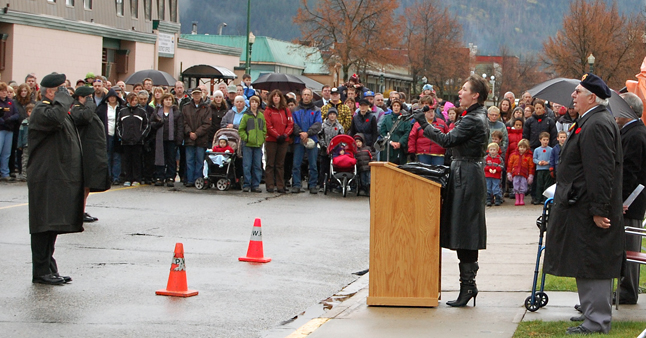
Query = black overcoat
x=54 y=170
x=462 y=221
x=633 y=141
x=96 y=175
x=588 y=184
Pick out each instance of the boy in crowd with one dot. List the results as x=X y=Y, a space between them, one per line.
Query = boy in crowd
x=556 y=152
x=247 y=88
x=132 y=128
x=493 y=173
x=542 y=161
x=364 y=157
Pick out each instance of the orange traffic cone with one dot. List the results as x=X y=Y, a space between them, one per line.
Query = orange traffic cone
x=177 y=279
x=255 y=251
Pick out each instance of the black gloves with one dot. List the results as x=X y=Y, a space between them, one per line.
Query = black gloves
x=281 y=139
x=420 y=117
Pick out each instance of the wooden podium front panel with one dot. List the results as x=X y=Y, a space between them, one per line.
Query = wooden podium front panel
x=404 y=238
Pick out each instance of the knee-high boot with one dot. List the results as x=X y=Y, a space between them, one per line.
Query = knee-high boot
x=468 y=288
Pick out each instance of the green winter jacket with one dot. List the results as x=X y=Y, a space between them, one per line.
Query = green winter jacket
x=253 y=129
x=399 y=135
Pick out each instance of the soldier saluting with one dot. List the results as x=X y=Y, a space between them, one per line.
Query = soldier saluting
x=55 y=178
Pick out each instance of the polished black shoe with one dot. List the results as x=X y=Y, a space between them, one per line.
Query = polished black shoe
x=578 y=307
x=48 y=279
x=88 y=219
x=67 y=279
x=577 y=318
x=578 y=330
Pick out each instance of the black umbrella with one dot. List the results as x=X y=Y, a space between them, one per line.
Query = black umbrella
x=559 y=90
x=160 y=78
x=283 y=82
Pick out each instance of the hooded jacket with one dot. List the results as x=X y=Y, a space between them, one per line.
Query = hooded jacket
x=307 y=118
x=102 y=110
x=253 y=129
x=363 y=155
x=132 y=126
x=328 y=131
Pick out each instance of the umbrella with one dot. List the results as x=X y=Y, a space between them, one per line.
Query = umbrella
x=559 y=90
x=283 y=82
x=159 y=77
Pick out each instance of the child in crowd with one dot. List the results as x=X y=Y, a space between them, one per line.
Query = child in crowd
x=364 y=156
x=521 y=170
x=453 y=115
x=223 y=148
x=132 y=128
x=493 y=173
x=542 y=160
x=330 y=128
x=514 y=134
x=496 y=137
x=556 y=152
x=22 y=141
x=253 y=129
x=247 y=88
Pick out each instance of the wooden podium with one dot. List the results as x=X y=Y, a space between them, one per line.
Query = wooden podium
x=404 y=238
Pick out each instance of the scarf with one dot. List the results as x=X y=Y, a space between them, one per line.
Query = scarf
x=159 y=140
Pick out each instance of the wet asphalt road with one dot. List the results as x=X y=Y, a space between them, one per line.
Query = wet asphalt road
x=315 y=243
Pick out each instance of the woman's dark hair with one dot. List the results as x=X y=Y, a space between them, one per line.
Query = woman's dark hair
x=522 y=121
x=283 y=102
x=510 y=112
x=23 y=100
x=480 y=86
x=539 y=101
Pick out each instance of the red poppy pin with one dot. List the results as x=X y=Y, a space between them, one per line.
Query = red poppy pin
x=540 y=120
x=578 y=130
x=334 y=128
x=544 y=150
x=465 y=113
x=367 y=120
x=9 y=103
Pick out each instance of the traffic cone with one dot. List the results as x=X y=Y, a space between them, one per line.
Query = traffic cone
x=177 y=279
x=255 y=251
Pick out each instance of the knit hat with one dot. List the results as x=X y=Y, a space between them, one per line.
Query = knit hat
x=223 y=137
x=332 y=110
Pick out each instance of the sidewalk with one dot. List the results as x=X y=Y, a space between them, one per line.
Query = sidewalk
x=504 y=281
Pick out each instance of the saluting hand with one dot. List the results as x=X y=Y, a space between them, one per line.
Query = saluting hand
x=602 y=222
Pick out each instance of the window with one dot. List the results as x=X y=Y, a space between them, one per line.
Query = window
x=161 y=5
x=119 y=7
x=69 y=3
x=148 y=9
x=134 y=8
x=51 y=1
x=87 y=4
x=173 y=10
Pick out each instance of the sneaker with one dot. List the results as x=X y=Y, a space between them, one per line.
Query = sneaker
x=159 y=182
x=256 y=190
x=170 y=182
x=246 y=189
x=314 y=190
x=135 y=184
x=126 y=184
x=296 y=190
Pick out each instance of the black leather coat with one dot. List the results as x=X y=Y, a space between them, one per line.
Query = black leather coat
x=462 y=222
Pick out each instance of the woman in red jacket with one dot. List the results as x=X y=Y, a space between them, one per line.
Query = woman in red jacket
x=426 y=150
x=279 y=126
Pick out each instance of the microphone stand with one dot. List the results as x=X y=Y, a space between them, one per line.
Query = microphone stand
x=386 y=139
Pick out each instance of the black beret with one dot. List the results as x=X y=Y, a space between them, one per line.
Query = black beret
x=332 y=110
x=83 y=91
x=52 y=80
x=594 y=84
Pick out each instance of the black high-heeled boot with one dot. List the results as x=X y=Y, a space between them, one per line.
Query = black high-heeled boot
x=468 y=288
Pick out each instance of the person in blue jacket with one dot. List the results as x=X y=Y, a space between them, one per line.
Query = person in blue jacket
x=307 y=125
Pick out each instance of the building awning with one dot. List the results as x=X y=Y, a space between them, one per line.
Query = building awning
x=207 y=71
x=311 y=84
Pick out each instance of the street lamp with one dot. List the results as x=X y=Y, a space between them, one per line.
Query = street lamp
x=247 y=52
x=220 y=26
x=591 y=62
x=251 y=39
x=493 y=89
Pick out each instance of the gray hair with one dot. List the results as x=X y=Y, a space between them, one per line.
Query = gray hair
x=597 y=100
x=512 y=94
x=239 y=98
x=634 y=102
x=143 y=93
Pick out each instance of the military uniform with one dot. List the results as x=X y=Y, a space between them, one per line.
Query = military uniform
x=55 y=182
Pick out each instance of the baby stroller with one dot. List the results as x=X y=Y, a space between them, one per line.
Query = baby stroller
x=538 y=298
x=343 y=169
x=223 y=175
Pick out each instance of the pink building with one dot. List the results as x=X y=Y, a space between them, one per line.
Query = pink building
x=113 y=38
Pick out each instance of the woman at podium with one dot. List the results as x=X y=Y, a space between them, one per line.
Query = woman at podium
x=462 y=221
